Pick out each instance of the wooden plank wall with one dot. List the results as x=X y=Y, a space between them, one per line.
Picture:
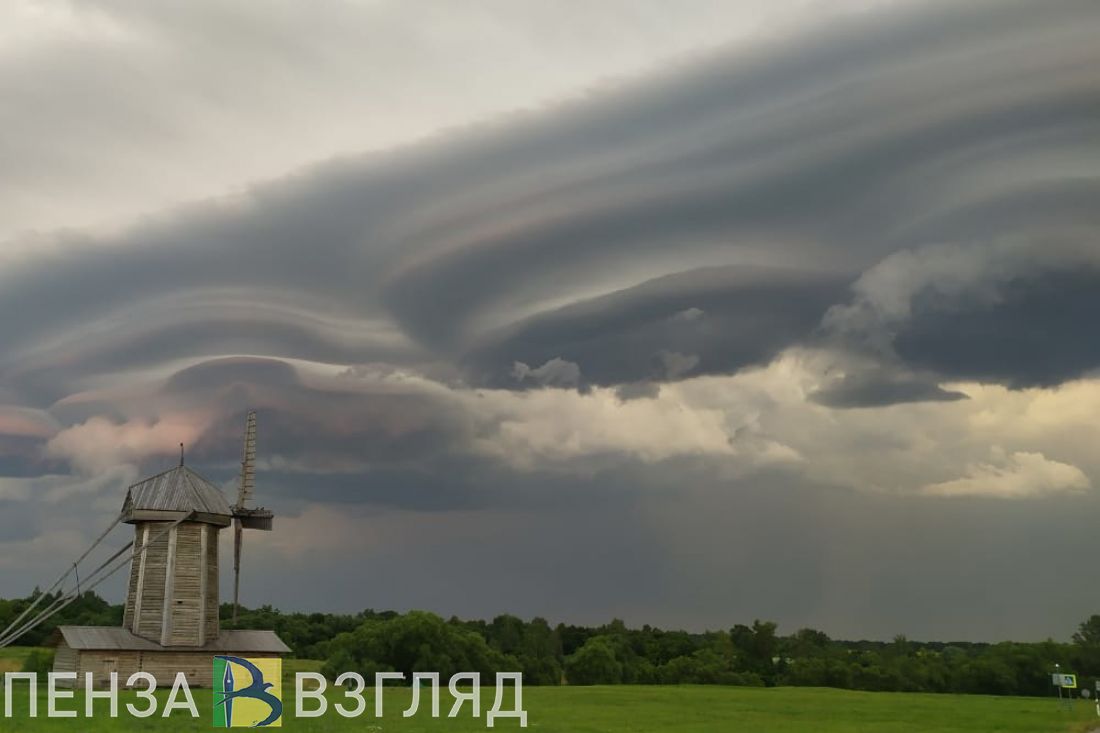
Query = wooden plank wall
x=213 y=605
x=181 y=610
x=151 y=611
x=186 y=599
x=65 y=659
x=197 y=666
x=131 y=592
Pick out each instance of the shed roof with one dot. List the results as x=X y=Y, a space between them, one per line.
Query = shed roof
x=88 y=638
x=176 y=491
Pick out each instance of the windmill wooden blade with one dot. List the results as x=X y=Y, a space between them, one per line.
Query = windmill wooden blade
x=244 y=517
x=248 y=463
x=261 y=519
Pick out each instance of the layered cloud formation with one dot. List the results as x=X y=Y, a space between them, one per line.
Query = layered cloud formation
x=849 y=269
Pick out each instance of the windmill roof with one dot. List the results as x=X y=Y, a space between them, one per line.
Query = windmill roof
x=176 y=492
x=114 y=638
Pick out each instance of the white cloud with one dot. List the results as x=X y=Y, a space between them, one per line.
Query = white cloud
x=1016 y=476
x=551 y=426
x=98 y=444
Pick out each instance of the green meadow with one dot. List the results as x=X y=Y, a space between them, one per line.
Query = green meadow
x=624 y=709
x=12 y=658
x=628 y=709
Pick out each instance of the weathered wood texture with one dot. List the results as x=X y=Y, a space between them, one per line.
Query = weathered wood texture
x=213 y=604
x=197 y=666
x=173 y=592
x=186 y=599
x=66 y=659
x=149 y=603
x=132 y=587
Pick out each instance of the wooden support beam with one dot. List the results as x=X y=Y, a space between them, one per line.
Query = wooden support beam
x=169 y=582
x=140 y=582
x=204 y=544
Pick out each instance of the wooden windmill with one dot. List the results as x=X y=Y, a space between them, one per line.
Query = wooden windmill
x=243 y=517
x=170 y=619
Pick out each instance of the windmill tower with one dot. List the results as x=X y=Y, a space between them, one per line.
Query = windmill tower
x=243 y=517
x=173 y=598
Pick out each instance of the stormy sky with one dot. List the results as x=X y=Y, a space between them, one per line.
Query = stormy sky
x=686 y=314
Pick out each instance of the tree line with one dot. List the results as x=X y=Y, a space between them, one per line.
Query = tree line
x=754 y=655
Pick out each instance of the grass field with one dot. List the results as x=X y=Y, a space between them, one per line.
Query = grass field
x=12 y=657
x=641 y=710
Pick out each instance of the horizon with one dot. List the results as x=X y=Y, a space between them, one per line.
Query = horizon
x=554 y=624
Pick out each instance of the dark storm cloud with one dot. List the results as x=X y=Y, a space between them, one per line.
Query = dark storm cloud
x=829 y=144
x=882 y=387
x=1036 y=335
x=715 y=320
x=826 y=154
x=1013 y=208
x=1012 y=311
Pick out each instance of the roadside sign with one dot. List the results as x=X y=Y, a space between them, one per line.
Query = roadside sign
x=1069 y=681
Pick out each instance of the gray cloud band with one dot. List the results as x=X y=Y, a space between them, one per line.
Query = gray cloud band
x=526 y=241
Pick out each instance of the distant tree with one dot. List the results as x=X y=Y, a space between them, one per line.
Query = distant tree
x=807 y=643
x=506 y=634
x=900 y=646
x=706 y=667
x=819 y=672
x=573 y=637
x=540 y=654
x=416 y=642
x=594 y=663
x=660 y=647
x=1088 y=632
x=1087 y=641
x=757 y=646
x=374 y=641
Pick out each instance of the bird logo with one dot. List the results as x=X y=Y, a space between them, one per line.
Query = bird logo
x=252 y=705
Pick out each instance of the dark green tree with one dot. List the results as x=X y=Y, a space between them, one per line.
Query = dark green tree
x=595 y=663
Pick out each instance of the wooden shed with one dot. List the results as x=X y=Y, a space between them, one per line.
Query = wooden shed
x=102 y=650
